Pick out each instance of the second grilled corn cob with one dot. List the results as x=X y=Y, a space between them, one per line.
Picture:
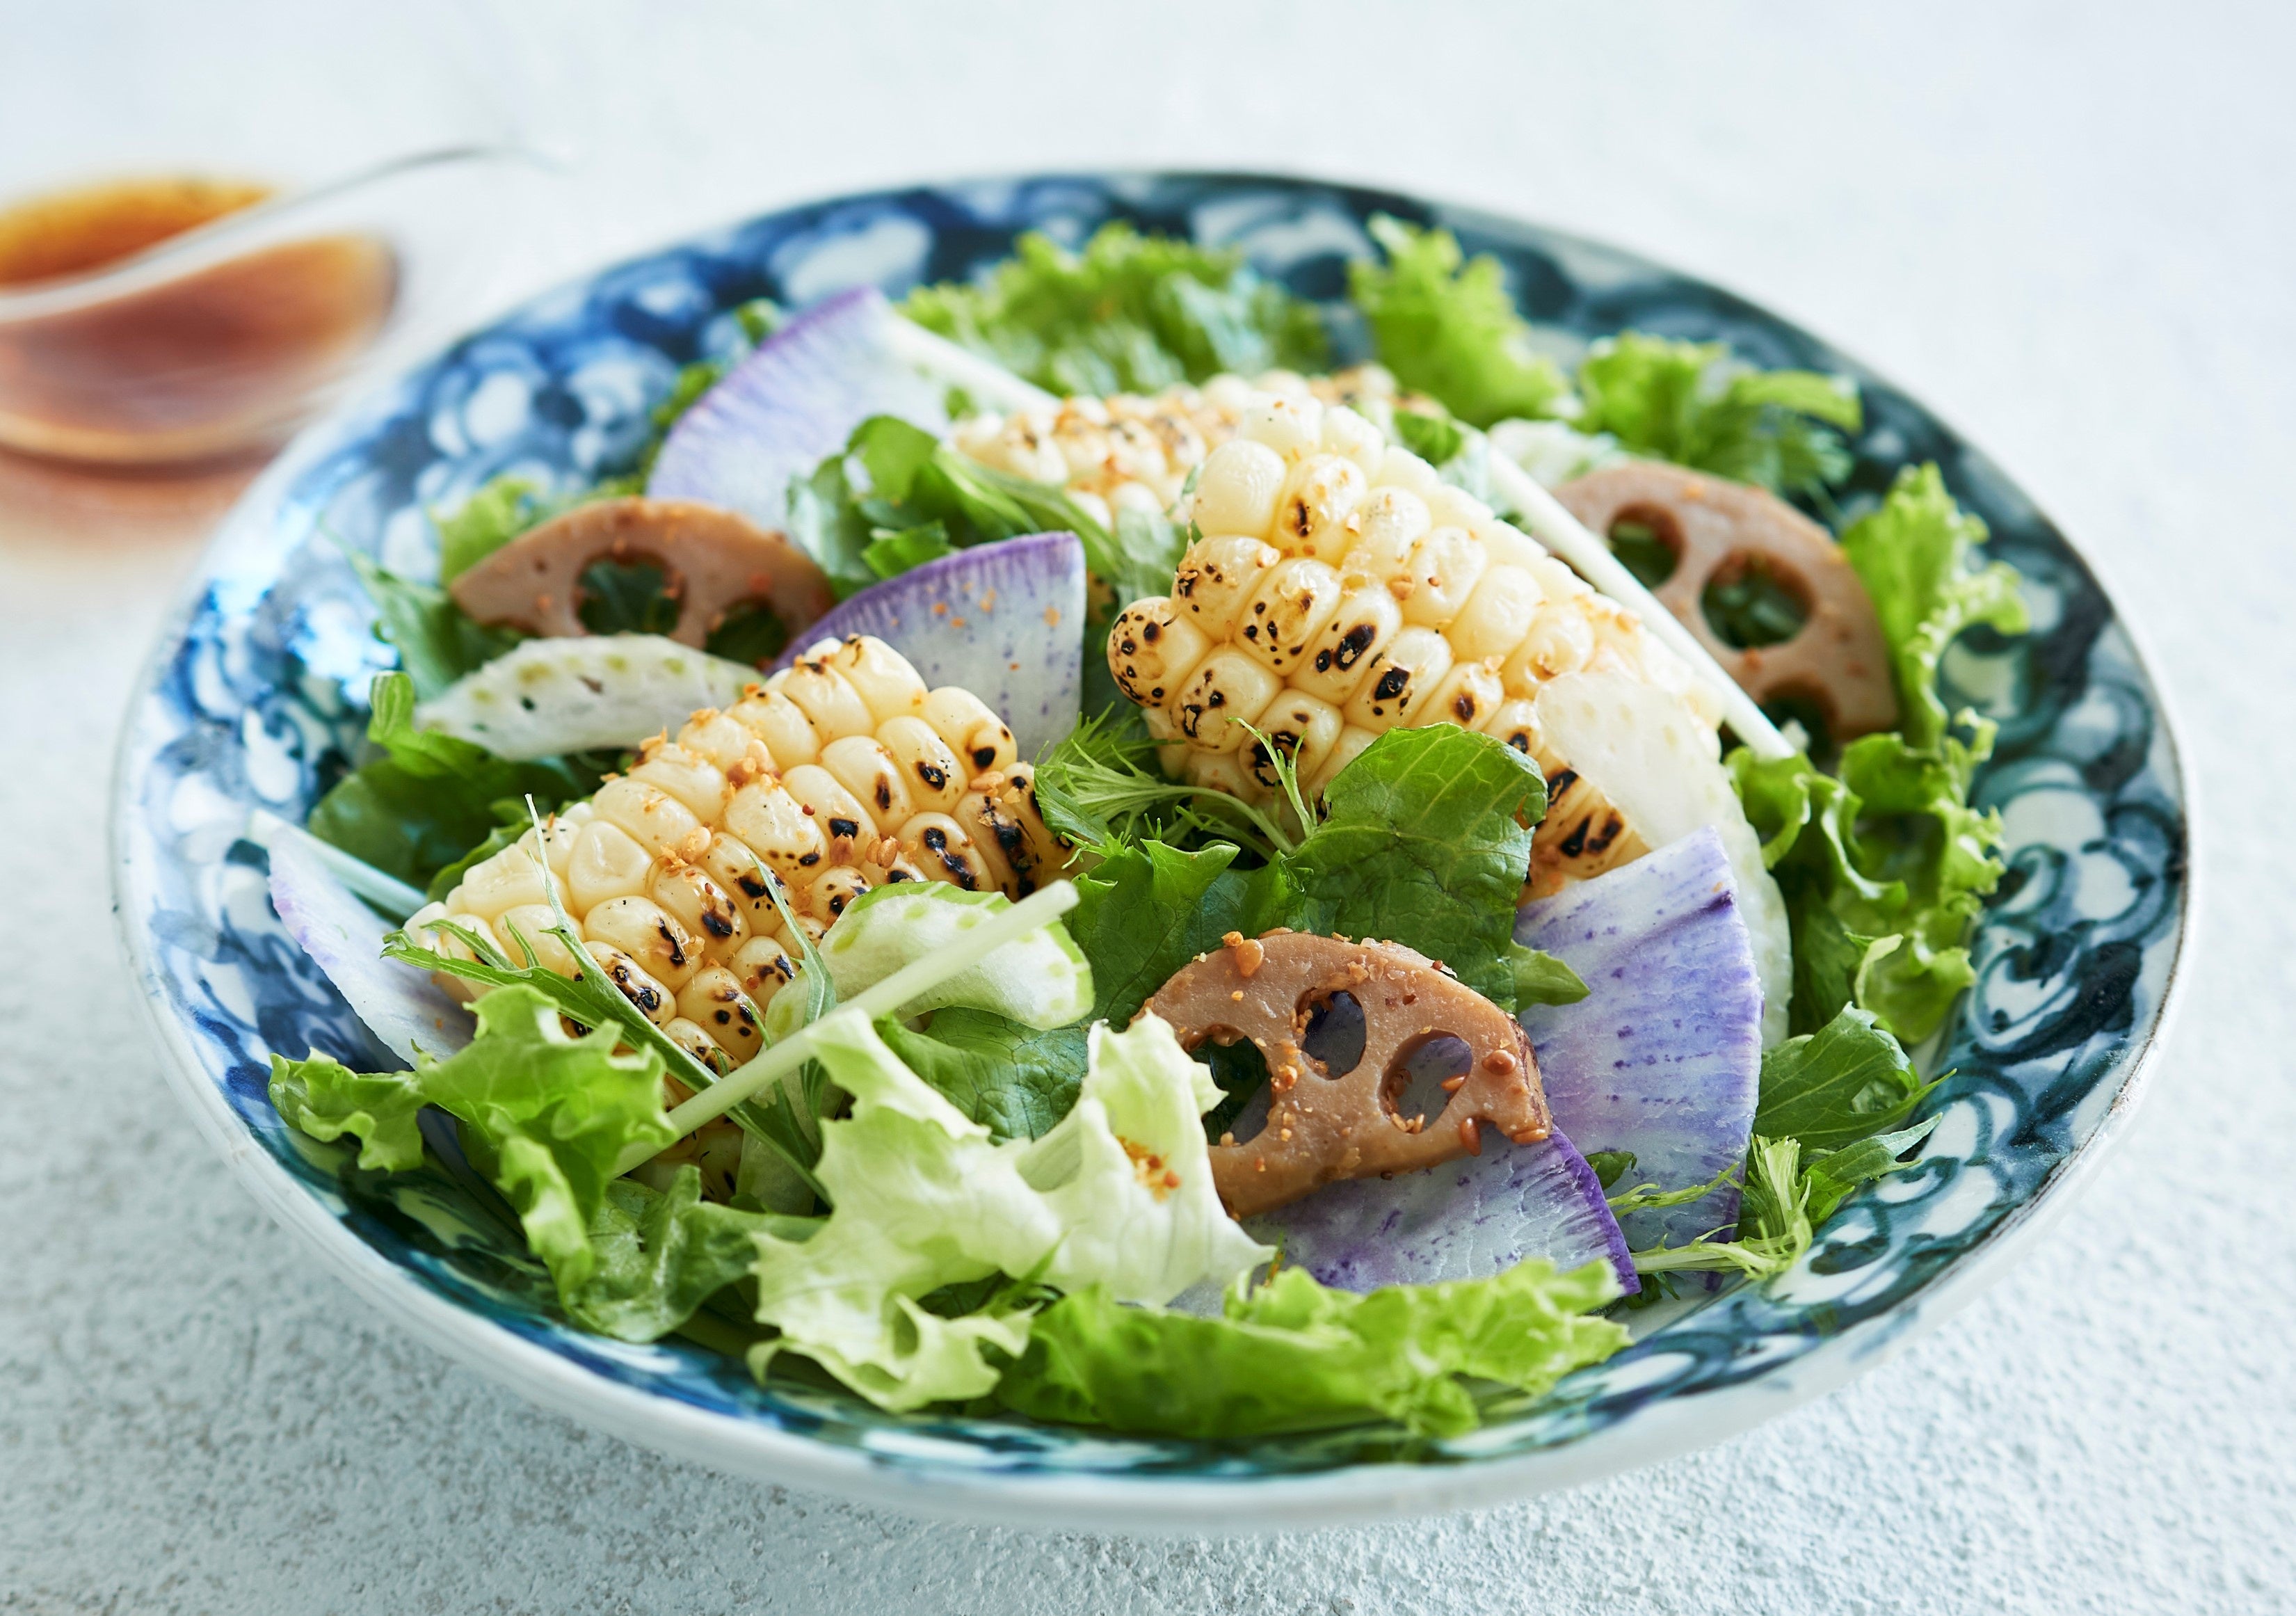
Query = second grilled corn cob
x=1340 y=589
x=835 y=775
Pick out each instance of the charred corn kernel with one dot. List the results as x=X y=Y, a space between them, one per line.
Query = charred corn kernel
x=1558 y=641
x=1316 y=516
x=932 y=774
x=823 y=798
x=1294 y=600
x=1340 y=658
x=1400 y=680
x=1468 y=697
x=882 y=677
x=714 y=1001
x=821 y=694
x=943 y=850
x=688 y=894
x=1342 y=588
x=1393 y=521
x=1297 y=726
x=762 y=967
x=1216 y=577
x=654 y=1001
x=1107 y=449
x=1153 y=646
x=864 y=767
x=642 y=929
x=1227 y=686
x=688 y=1035
x=838 y=774
x=773 y=718
x=978 y=736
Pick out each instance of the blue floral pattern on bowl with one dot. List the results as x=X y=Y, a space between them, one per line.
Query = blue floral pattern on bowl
x=252 y=700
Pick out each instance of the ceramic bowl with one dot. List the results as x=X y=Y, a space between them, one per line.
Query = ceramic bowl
x=252 y=700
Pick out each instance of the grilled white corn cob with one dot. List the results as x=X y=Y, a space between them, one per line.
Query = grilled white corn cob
x=834 y=776
x=1342 y=589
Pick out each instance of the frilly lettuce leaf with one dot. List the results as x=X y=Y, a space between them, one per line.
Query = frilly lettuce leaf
x=1131 y=313
x=1688 y=402
x=1912 y=555
x=1885 y=867
x=1450 y=328
x=554 y=1111
x=1294 y=1355
x=661 y=1254
x=1119 y=1193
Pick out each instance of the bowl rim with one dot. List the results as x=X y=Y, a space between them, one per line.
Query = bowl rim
x=1131 y=1504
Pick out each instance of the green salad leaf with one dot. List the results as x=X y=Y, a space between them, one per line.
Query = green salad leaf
x=429 y=798
x=1422 y=846
x=1846 y=1082
x=897 y=496
x=1120 y=1194
x=1294 y=1355
x=552 y=1110
x=1131 y=313
x=1446 y=325
x=1687 y=402
x=436 y=643
x=499 y=511
x=1423 y=843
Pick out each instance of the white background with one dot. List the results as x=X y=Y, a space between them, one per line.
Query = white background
x=2067 y=227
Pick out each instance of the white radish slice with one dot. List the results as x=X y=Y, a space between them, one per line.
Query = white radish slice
x=1005 y=621
x=399 y=1004
x=1644 y=750
x=548 y=696
x=792 y=403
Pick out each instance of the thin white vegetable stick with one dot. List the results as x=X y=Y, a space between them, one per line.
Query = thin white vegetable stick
x=267 y=830
x=1567 y=537
x=917 y=977
x=989 y=383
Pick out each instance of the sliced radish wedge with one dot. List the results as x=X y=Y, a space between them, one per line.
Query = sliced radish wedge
x=1467 y=1219
x=792 y=404
x=1663 y=1055
x=549 y=696
x=1005 y=621
x=400 y=1006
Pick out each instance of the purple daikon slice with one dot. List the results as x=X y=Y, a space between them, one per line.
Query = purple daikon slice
x=1663 y=1055
x=1005 y=621
x=1466 y=1219
x=792 y=404
x=399 y=1004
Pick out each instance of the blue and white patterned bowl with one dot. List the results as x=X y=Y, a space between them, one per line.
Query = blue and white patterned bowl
x=252 y=699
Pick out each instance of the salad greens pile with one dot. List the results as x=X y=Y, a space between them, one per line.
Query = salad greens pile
x=1130 y=314
x=956 y=1205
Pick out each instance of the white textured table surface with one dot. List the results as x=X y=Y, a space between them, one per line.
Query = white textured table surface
x=2069 y=230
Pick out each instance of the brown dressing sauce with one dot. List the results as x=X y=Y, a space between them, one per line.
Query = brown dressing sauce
x=195 y=366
